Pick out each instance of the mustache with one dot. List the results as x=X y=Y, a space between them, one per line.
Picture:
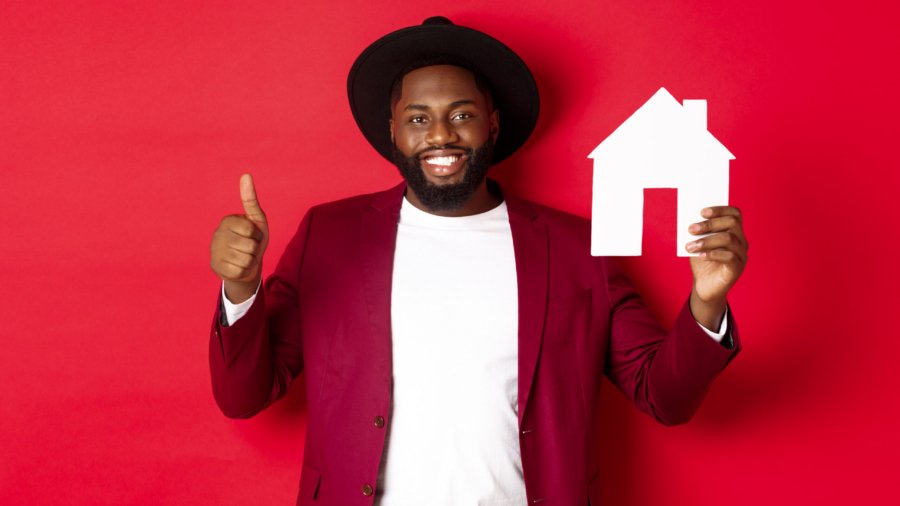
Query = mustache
x=439 y=148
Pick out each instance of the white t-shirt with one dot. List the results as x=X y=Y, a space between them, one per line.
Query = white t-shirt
x=454 y=324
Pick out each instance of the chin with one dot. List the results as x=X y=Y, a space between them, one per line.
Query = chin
x=452 y=179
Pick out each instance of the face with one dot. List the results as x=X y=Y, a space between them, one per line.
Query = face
x=443 y=128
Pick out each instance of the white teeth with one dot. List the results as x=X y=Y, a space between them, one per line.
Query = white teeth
x=442 y=160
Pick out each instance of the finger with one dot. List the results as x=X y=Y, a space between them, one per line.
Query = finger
x=720 y=255
x=730 y=221
x=243 y=227
x=248 y=197
x=239 y=258
x=719 y=224
x=246 y=245
x=725 y=240
x=231 y=272
x=716 y=211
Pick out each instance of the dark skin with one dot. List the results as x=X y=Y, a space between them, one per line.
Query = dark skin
x=238 y=245
x=441 y=106
x=438 y=106
x=721 y=258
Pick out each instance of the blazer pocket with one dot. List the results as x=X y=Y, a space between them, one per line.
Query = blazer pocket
x=310 y=480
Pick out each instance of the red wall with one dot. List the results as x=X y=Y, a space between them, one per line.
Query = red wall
x=124 y=127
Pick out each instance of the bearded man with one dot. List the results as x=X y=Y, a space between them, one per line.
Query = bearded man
x=453 y=336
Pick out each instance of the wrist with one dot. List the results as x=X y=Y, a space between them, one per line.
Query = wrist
x=239 y=291
x=708 y=313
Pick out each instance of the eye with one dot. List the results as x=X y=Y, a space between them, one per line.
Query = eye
x=462 y=116
x=417 y=120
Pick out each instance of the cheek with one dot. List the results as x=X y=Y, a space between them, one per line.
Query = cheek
x=477 y=135
x=406 y=142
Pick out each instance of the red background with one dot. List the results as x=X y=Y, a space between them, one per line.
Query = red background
x=124 y=127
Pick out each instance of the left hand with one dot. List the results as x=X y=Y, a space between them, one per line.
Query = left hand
x=723 y=255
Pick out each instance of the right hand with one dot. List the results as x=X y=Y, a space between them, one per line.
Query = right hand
x=238 y=245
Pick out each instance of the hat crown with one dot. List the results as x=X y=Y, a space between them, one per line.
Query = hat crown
x=437 y=20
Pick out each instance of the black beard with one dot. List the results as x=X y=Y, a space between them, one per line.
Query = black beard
x=445 y=197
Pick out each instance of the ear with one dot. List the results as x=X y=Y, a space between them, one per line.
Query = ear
x=495 y=125
x=391 y=128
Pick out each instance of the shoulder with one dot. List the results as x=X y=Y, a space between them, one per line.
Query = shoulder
x=357 y=202
x=557 y=222
x=352 y=208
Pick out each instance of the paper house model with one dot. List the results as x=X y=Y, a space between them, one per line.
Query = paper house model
x=664 y=144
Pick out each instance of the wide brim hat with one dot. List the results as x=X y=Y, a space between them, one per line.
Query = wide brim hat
x=513 y=88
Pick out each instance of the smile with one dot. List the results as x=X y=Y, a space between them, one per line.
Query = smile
x=443 y=165
x=442 y=160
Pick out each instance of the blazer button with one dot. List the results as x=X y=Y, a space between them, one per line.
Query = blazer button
x=367 y=490
x=379 y=421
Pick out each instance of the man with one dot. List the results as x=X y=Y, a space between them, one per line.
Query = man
x=453 y=336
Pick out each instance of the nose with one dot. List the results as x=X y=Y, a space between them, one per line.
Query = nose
x=441 y=133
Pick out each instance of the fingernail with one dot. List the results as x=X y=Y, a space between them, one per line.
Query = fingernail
x=706 y=212
x=693 y=246
x=694 y=228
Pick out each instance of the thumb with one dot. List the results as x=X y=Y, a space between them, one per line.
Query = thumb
x=251 y=204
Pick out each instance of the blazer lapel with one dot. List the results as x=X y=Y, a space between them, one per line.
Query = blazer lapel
x=378 y=232
x=532 y=256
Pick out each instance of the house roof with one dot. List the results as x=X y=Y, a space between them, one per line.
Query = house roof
x=662 y=123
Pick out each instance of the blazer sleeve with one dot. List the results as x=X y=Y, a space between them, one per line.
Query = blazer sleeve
x=253 y=362
x=666 y=374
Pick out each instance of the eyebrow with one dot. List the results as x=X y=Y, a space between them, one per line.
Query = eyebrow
x=423 y=107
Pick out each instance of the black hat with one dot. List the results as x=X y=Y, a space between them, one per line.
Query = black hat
x=373 y=73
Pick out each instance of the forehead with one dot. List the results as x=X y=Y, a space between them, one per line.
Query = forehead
x=439 y=82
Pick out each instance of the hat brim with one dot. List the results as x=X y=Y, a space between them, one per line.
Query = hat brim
x=373 y=73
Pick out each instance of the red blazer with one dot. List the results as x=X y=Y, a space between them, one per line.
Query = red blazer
x=326 y=310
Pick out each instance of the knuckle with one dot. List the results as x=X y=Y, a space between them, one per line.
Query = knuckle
x=239 y=272
x=240 y=259
x=239 y=225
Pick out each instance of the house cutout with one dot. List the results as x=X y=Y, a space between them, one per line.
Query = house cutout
x=664 y=144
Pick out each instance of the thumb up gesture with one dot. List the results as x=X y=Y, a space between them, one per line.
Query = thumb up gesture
x=238 y=245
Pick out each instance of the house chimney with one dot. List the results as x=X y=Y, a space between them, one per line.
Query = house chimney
x=695 y=111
